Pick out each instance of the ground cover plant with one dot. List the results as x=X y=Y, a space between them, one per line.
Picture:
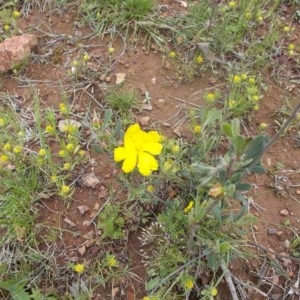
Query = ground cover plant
x=110 y=190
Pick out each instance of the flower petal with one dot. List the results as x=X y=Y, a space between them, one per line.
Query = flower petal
x=129 y=161
x=155 y=136
x=152 y=148
x=146 y=163
x=132 y=135
x=119 y=154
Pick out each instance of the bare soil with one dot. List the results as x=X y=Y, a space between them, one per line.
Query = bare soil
x=47 y=71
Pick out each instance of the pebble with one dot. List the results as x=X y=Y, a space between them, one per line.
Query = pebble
x=90 y=180
x=284 y=212
x=83 y=209
x=153 y=80
x=82 y=250
x=120 y=78
x=144 y=120
x=272 y=231
x=147 y=106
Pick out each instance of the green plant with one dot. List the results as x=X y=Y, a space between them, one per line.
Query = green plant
x=122 y=100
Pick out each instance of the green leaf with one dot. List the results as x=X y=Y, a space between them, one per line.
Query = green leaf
x=243 y=186
x=222 y=176
x=107 y=116
x=98 y=149
x=258 y=169
x=15 y=289
x=235 y=125
x=217 y=213
x=227 y=130
x=153 y=283
x=240 y=144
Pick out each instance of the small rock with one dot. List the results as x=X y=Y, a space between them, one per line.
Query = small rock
x=287 y=244
x=115 y=291
x=78 y=33
x=120 y=78
x=153 y=80
x=90 y=243
x=276 y=296
x=15 y=49
x=183 y=4
x=64 y=124
x=90 y=180
x=166 y=124
x=284 y=212
x=167 y=65
x=102 y=77
x=69 y=222
x=89 y=236
x=147 y=106
x=272 y=231
x=271 y=254
x=83 y=209
x=255 y=227
x=107 y=79
x=178 y=131
x=103 y=192
x=82 y=250
x=144 y=120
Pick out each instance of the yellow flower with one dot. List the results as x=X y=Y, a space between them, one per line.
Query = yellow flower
x=291 y=47
x=2 y=122
x=111 y=50
x=259 y=18
x=16 y=14
x=6 y=27
x=62 y=153
x=70 y=147
x=231 y=103
x=79 y=268
x=189 y=284
x=251 y=80
x=65 y=189
x=17 y=149
x=232 y=4
x=214 y=292
x=86 y=57
x=255 y=98
x=63 y=108
x=150 y=188
x=286 y=28
x=172 y=54
x=291 y=53
x=248 y=15
x=111 y=260
x=199 y=59
x=236 y=79
x=7 y=147
x=66 y=166
x=50 y=129
x=263 y=126
x=21 y=134
x=81 y=152
x=210 y=97
x=197 y=129
x=256 y=107
x=74 y=64
x=53 y=178
x=189 y=207
x=138 y=150
x=175 y=149
x=216 y=190
x=42 y=152
x=3 y=158
x=244 y=76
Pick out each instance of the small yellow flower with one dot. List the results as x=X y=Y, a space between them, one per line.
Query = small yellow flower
x=111 y=260
x=53 y=178
x=286 y=28
x=2 y=122
x=63 y=108
x=62 y=153
x=21 y=134
x=248 y=15
x=263 y=126
x=214 y=292
x=150 y=188
x=232 y=4
x=7 y=147
x=79 y=268
x=70 y=147
x=3 y=158
x=244 y=76
x=111 y=50
x=189 y=207
x=50 y=129
x=65 y=189
x=197 y=129
x=66 y=166
x=256 y=107
x=291 y=53
x=255 y=98
x=74 y=63
x=16 y=14
x=236 y=79
x=199 y=59
x=175 y=149
x=291 y=47
x=81 y=152
x=231 y=103
x=189 y=284
x=259 y=18
x=251 y=80
x=42 y=152
x=6 y=27
x=86 y=57
x=210 y=97
x=172 y=54
x=17 y=149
